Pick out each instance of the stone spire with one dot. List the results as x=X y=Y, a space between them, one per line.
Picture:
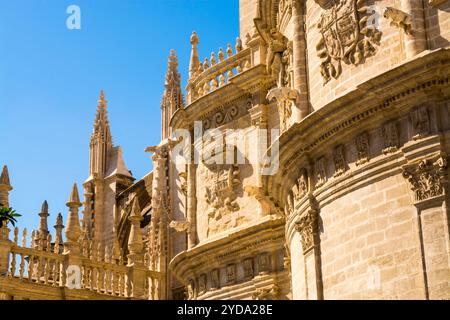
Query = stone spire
x=194 y=62
x=73 y=230
x=101 y=139
x=135 y=241
x=58 y=233
x=43 y=226
x=173 y=98
x=5 y=187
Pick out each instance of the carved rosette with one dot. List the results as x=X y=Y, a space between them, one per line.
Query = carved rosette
x=427 y=178
x=307 y=226
x=347 y=35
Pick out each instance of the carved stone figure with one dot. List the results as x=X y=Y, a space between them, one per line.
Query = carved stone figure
x=248 y=268
x=362 y=148
x=420 y=122
x=339 y=160
x=264 y=263
x=231 y=273
x=346 y=35
x=276 y=46
x=215 y=280
x=286 y=98
x=202 y=284
x=321 y=174
x=399 y=19
x=390 y=137
x=191 y=290
x=300 y=188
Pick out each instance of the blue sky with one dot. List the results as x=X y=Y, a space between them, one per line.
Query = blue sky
x=50 y=79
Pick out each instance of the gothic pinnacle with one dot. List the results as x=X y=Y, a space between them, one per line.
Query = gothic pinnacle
x=4 y=177
x=74 y=199
x=135 y=241
x=44 y=208
x=73 y=230
x=194 y=62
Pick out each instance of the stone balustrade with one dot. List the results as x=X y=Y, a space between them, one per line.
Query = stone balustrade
x=215 y=73
x=98 y=270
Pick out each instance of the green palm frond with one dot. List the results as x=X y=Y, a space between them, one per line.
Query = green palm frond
x=8 y=215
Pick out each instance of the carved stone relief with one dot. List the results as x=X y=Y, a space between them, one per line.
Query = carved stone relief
x=390 y=137
x=221 y=117
x=248 y=268
x=427 y=178
x=215 y=279
x=264 y=263
x=362 y=148
x=231 y=273
x=307 y=226
x=270 y=293
x=420 y=122
x=321 y=174
x=300 y=188
x=221 y=191
x=339 y=160
x=399 y=19
x=347 y=36
x=202 y=284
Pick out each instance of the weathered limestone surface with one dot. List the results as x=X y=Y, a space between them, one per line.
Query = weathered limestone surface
x=356 y=207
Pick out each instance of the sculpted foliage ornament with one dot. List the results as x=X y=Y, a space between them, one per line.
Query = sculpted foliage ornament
x=347 y=35
x=427 y=178
x=307 y=226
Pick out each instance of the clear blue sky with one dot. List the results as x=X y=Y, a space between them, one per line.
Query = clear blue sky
x=50 y=79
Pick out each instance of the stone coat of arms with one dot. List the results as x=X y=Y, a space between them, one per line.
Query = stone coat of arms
x=348 y=34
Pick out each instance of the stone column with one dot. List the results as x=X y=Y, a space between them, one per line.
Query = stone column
x=308 y=227
x=191 y=205
x=415 y=42
x=300 y=65
x=432 y=202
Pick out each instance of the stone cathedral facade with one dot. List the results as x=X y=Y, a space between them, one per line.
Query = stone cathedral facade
x=353 y=204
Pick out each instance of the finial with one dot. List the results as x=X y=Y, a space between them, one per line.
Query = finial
x=206 y=64
x=102 y=96
x=238 y=44
x=4 y=177
x=229 y=51
x=194 y=61
x=221 y=55
x=59 y=221
x=44 y=208
x=213 y=59
x=74 y=199
x=194 y=38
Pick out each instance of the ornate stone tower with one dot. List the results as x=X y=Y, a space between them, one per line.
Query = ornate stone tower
x=173 y=96
x=108 y=176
